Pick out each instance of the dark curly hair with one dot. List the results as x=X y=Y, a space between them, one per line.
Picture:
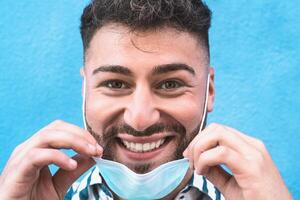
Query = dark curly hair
x=191 y=16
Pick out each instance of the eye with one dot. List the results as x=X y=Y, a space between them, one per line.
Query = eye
x=114 y=84
x=170 y=84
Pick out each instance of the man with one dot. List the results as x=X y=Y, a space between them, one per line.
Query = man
x=146 y=72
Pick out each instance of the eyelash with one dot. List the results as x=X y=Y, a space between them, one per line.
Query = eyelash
x=173 y=81
x=106 y=84
x=160 y=86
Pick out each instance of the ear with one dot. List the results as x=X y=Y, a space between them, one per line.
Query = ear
x=82 y=74
x=211 y=90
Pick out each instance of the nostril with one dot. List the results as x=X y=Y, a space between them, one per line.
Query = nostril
x=141 y=119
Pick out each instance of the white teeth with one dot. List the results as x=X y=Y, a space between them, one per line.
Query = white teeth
x=157 y=144
x=132 y=146
x=142 y=147
x=146 y=147
x=161 y=142
x=126 y=143
x=139 y=146
x=152 y=145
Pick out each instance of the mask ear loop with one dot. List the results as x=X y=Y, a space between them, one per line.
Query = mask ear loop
x=83 y=102
x=205 y=103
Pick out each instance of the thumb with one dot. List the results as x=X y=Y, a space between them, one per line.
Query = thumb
x=63 y=179
x=218 y=177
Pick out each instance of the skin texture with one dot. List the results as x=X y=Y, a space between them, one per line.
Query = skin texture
x=140 y=100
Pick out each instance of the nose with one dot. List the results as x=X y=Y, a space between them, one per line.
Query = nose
x=141 y=112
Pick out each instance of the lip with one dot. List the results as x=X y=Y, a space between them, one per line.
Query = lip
x=144 y=139
x=142 y=156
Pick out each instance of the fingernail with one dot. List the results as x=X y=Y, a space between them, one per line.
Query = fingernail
x=184 y=154
x=72 y=163
x=92 y=148
x=99 y=149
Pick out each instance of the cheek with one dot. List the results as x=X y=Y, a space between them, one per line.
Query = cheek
x=102 y=110
x=186 y=109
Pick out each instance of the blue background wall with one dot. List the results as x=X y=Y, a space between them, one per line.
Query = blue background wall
x=255 y=52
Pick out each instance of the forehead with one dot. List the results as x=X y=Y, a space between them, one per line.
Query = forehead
x=115 y=44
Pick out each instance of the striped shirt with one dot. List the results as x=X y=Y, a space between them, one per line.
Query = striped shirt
x=92 y=188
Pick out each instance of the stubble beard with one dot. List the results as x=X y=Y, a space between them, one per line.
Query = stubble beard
x=108 y=140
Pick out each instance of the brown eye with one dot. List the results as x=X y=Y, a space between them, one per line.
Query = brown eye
x=170 y=84
x=114 y=84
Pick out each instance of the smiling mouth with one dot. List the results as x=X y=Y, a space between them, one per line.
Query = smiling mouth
x=144 y=147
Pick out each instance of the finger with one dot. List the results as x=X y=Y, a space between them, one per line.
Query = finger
x=47 y=139
x=219 y=136
x=64 y=126
x=38 y=158
x=256 y=143
x=63 y=179
x=188 y=153
x=218 y=156
x=221 y=180
x=63 y=139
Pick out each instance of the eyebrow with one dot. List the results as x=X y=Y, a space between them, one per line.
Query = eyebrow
x=166 y=68
x=158 y=70
x=113 y=69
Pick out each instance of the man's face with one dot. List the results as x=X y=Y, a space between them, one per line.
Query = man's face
x=145 y=93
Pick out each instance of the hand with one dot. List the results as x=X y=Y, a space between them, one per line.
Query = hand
x=26 y=175
x=255 y=175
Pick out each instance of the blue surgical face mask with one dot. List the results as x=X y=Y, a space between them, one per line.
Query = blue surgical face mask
x=155 y=184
